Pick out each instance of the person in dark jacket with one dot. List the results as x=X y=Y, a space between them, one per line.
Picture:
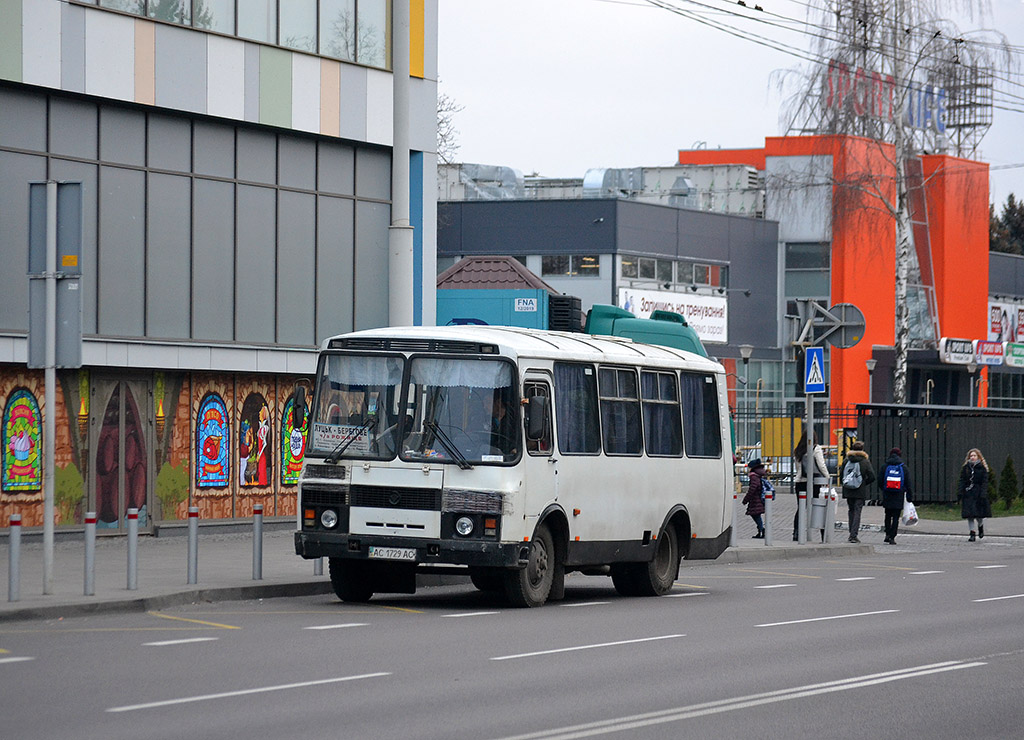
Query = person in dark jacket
x=855 y=494
x=755 y=495
x=973 y=491
x=894 y=483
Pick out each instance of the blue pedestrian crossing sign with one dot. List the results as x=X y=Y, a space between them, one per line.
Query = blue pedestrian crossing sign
x=814 y=370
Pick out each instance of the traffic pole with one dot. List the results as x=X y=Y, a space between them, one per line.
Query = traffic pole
x=133 y=549
x=193 y=544
x=257 y=542
x=90 y=554
x=14 y=559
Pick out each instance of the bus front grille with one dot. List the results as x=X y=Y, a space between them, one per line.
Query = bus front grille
x=390 y=497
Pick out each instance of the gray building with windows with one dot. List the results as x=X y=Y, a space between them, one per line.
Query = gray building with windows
x=236 y=161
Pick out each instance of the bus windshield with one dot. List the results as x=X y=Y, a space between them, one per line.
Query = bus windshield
x=355 y=412
x=463 y=411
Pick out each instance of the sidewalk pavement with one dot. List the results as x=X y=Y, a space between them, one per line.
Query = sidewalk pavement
x=225 y=563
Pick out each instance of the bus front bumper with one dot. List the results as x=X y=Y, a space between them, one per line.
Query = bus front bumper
x=310 y=546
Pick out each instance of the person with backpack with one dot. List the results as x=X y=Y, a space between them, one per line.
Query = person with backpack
x=856 y=475
x=894 y=483
x=973 y=491
x=755 y=495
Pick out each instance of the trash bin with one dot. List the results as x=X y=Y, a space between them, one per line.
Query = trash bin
x=818 y=507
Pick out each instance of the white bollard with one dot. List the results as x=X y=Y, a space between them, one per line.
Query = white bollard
x=318 y=567
x=768 y=501
x=257 y=542
x=14 y=561
x=90 y=553
x=801 y=527
x=732 y=534
x=133 y=549
x=193 y=544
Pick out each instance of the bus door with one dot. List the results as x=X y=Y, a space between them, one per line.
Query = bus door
x=540 y=465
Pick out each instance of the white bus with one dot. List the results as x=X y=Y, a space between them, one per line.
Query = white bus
x=512 y=456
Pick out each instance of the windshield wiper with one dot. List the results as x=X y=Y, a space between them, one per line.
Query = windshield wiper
x=343 y=445
x=450 y=446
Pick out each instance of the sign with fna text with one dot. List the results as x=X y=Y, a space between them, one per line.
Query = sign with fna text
x=708 y=315
x=526 y=305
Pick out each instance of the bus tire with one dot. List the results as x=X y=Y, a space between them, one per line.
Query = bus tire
x=350 y=580
x=625 y=578
x=530 y=586
x=487 y=579
x=657 y=576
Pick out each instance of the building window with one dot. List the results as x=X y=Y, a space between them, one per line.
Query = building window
x=350 y=30
x=807 y=269
x=573 y=265
x=630 y=267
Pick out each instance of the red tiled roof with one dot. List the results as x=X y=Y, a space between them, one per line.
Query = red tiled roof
x=493 y=272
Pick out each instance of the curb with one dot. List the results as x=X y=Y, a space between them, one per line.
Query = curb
x=784 y=552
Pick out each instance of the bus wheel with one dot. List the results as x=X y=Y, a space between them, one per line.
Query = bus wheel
x=658 y=575
x=486 y=579
x=350 y=580
x=531 y=585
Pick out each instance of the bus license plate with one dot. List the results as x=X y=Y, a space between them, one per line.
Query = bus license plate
x=393 y=553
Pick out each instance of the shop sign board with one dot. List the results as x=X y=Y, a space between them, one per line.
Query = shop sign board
x=956 y=351
x=1013 y=354
x=988 y=353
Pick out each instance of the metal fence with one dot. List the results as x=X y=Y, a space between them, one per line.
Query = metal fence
x=933 y=440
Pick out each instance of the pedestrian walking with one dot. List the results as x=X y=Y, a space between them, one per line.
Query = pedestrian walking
x=973 y=492
x=755 y=495
x=820 y=472
x=856 y=476
x=894 y=483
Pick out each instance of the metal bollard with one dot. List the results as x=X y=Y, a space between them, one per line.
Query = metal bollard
x=14 y=563
x=133 y=549
x=193 y=544
x=830 y=513
x=90 y=553
x=257 y=542
x=318 y=567
x=768 y=501
x=732 y=534
x=801 y=526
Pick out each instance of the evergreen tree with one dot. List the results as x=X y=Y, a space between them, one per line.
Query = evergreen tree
x=1007 y=483
x=1006 y=231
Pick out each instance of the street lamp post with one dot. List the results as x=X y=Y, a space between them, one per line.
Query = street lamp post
x=871 y=373
x=972 y=367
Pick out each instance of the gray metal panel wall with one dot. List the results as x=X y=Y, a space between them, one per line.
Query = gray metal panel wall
x=170 y=143
x=18 y=170
x=335 y=255
x=371 y=264
x=123 y=136
x=85 y=173
x=296 y=247
x=176 y=86
x=213 y=260
x=122 y=260
x=168 y=250
x=255 y=264
x=1005 y=274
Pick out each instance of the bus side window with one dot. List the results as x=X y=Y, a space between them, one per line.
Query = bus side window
x=620 y=411
x=542 y=445
x=661 y=413
x=579 y=426
x=702 y=432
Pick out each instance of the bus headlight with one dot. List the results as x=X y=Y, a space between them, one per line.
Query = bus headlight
x=464 y=526
x=329 y=518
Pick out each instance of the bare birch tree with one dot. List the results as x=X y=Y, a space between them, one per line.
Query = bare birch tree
x=898 y=74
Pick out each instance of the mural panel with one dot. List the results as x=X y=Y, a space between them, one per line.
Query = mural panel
x=255 y=442
x=22 y=444
x=293 y=444
x=213 y=441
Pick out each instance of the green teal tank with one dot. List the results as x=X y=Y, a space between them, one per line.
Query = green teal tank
x=664 y=328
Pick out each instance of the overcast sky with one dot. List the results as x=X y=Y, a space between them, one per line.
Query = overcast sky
x=557 y=87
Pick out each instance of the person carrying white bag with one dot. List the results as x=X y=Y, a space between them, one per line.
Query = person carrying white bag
x=894 y=483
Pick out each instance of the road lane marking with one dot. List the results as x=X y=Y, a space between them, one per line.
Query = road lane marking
x=15 y=659
x=194 y=621
x=242 y=692
x=586 y=647
x=719 y=706
x=335 y=626
x=773 y=573
x=857 y=578
x=680 y=596
x=825 y=619
x=983 y=567
x=183 y=641
x=778 y=585
x=588 y=603
x=1000 y=598
x=471 y=614
x=925 y=572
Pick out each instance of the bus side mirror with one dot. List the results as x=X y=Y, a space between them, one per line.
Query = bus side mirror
x=536 y=417
x=299 y=408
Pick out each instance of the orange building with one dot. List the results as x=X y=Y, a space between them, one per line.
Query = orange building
x=838 y=192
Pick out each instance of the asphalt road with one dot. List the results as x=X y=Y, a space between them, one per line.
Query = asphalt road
x=912 y=642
